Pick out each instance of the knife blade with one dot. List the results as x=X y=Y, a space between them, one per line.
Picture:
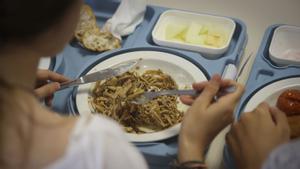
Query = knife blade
x=100 y=75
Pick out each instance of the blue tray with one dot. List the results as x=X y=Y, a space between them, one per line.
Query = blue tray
x=74 y=61
x=263 y=73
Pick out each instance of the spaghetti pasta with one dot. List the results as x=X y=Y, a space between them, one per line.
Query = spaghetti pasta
x=113 y=98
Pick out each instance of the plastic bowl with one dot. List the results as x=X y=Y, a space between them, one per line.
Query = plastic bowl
x=285 y=46
x=176 y=17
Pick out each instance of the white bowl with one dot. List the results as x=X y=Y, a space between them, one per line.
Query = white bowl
x=285 y=46
x=186 y=18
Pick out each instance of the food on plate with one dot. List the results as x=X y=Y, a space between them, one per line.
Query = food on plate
x=89 y=34
x=289 y=102
x=113 y=98
x=100 y=41
x=87 y=21
x=198 y=34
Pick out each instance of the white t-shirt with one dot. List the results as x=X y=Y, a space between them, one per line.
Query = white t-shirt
x=99 y=143
x=284 y=156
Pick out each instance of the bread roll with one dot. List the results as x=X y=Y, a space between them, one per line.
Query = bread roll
x=89 y=34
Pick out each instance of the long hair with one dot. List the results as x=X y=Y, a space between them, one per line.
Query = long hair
x=21 y=20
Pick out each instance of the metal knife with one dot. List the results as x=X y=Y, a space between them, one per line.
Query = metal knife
x=241 y=67
x=100 y=75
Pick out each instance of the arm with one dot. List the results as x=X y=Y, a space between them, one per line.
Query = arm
x=256 y=134
x=206 y=117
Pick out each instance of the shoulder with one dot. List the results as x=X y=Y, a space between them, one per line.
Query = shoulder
x=99 y=125
x=285 y=156
x=106 y=143
x=16 y=100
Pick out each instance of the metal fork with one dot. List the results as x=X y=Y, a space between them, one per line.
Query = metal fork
x=147 y=96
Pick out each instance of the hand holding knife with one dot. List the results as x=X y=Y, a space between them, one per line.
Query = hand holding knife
x=100 y=75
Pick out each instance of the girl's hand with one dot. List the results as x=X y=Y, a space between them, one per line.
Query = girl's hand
x=47 y=83
x=206 y=117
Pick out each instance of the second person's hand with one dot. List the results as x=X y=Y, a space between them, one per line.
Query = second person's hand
x=256 y=134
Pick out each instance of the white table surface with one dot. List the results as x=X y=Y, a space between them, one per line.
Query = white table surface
x=257 y=15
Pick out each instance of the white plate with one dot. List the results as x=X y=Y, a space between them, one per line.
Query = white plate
x=181 y=70
x=271 y=92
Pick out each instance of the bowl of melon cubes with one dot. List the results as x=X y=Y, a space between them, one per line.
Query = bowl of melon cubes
x=207 y=34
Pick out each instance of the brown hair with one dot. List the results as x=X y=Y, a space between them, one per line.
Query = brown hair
x=23 y=19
